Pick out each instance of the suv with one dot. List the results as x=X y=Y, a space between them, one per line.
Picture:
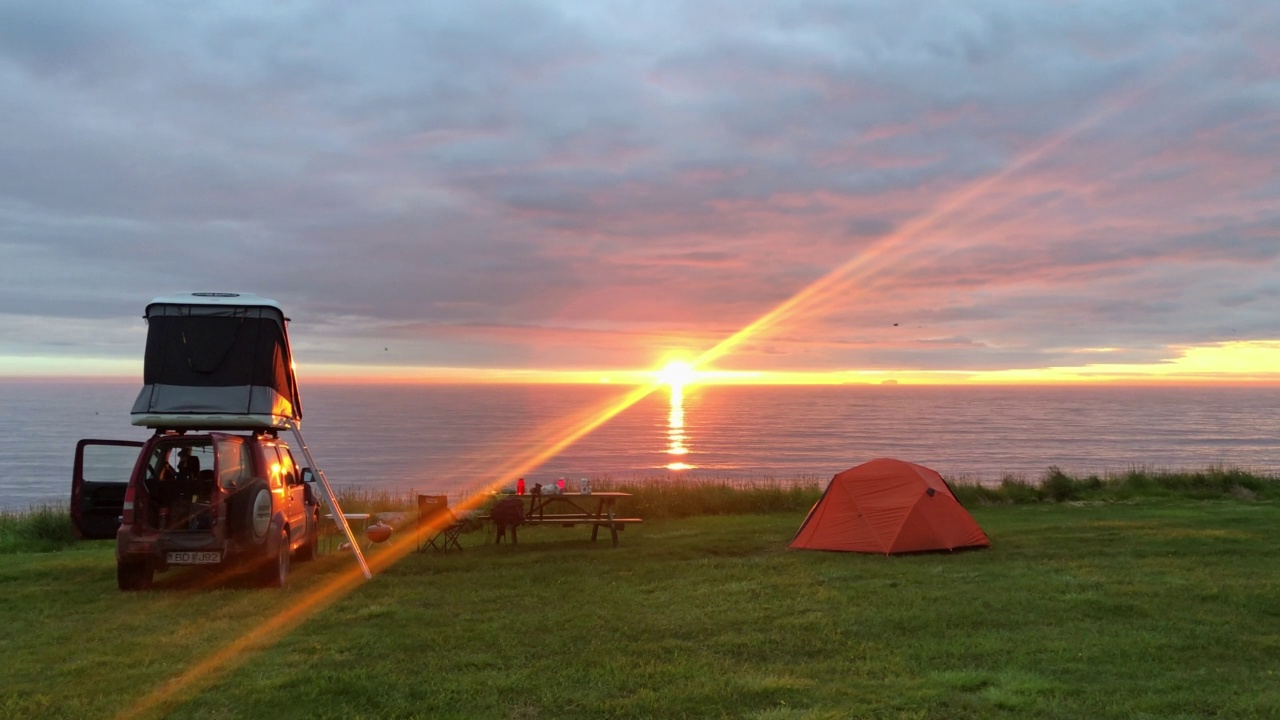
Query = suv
x=236 y=501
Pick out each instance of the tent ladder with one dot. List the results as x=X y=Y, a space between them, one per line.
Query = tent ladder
x=330 y=499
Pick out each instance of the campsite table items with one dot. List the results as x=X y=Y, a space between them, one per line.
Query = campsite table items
x=569 y=509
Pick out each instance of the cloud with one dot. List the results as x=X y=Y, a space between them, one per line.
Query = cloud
x=565 y=184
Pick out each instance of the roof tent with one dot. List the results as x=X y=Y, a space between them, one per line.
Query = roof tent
x=217 y=360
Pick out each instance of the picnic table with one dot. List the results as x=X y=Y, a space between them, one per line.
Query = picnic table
x=331 y=529
x=596 y=509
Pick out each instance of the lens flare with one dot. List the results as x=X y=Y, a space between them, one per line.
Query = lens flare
x=890 y=253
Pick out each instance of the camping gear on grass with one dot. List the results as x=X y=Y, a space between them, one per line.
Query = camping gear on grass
x=378 y=533
x=438 y=526
x=888 y=506
x=507 y=513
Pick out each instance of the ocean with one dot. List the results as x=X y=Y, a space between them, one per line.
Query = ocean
x=455 y=438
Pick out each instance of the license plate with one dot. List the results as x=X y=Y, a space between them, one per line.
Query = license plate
x=194 y=558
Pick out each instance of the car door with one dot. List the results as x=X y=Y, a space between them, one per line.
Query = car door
x=99 y=479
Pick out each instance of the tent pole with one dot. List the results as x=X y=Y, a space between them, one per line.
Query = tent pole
x=331 y=500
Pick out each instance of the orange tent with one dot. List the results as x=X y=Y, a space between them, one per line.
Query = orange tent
x=888 y=506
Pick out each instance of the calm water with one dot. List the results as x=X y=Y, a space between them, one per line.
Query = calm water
x=451 y=438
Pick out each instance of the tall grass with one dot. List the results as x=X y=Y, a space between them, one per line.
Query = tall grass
x=47 y=527
x=653 y=497
x=357 y=499
x=40 y=528
x=663 y=498
x=1058 y=486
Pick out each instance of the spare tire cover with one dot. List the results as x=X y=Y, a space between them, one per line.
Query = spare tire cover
x=260 y=520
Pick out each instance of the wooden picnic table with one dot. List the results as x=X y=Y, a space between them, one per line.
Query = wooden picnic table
x=596 y=509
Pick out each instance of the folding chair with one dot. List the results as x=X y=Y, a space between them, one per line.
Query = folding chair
x=437 y=523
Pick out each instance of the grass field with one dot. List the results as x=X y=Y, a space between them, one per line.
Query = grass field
x=1154 y=607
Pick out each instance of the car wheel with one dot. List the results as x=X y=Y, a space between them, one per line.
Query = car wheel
x=134 y=576
x=275 y=571
x=309 y=548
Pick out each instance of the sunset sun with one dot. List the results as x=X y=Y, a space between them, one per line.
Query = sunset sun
x=677 y=373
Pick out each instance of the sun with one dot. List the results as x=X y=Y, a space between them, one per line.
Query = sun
x=676 y=373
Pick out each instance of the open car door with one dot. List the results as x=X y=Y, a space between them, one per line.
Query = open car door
x=99 y=479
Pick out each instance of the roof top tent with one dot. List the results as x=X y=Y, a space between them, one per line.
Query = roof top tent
x=217 y=360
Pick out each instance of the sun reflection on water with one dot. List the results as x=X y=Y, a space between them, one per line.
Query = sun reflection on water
x=675 y=430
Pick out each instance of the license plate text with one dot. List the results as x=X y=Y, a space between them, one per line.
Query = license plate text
x=205 y=557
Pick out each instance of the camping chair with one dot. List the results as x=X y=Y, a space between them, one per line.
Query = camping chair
x=437 y=523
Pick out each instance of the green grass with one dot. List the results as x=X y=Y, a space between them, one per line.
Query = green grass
x=47 y=527
x=1161 y=606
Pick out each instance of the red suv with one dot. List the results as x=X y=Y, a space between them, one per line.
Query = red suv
x=213 y=499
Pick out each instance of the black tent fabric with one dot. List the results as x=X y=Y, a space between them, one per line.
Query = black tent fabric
x=218 y=365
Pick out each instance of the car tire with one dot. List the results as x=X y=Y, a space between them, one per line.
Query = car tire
x=309 y=548
x=275 y=570
x=134 y=576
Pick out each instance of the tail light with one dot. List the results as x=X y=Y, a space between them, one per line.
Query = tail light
x=126 y=518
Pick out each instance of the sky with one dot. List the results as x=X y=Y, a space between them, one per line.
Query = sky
x=897 y=191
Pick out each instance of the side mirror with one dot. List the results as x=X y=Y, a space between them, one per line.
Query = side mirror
x=308 y=476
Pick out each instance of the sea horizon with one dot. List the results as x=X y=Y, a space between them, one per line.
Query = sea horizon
x=456 y=437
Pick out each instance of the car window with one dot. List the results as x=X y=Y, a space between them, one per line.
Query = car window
x=288 y=470
x=108 y=463
x=191 y=460
x=169 y=459
x=275 y=476
x=158 y=467
x=234 y=463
